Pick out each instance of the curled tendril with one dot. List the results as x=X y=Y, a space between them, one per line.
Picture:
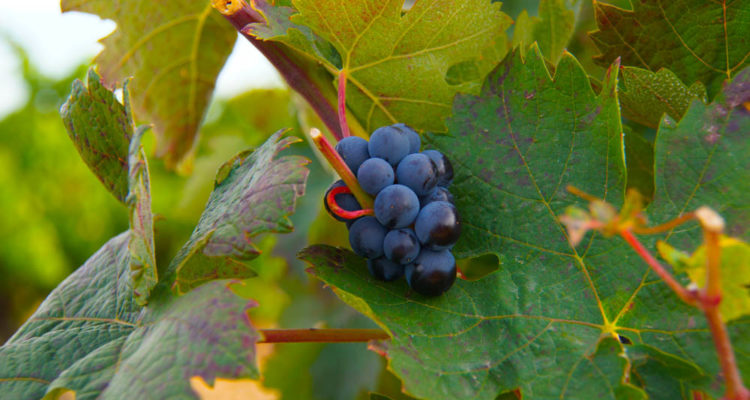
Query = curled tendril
x=336 y=209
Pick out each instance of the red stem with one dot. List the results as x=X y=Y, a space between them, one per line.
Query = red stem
x=321 y=335
x=707 y=302
x=735 y=388
x=342 y=105
x=331 y=200
x=684 y=294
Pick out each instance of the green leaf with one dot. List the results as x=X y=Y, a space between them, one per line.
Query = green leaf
x=100 y=128
x=608 y=362
x=538 y=322
x=398 y=64
x=699 y=41
x=703 y=161
x=735 y=273
x=646 y=96
x=639 y=154
x=666 y=375
x=552 y=29
x=90 y=336
x=254 y=193
x=142 y=254
x=175 y=51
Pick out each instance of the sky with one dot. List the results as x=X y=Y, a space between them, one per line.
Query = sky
x=57 y=43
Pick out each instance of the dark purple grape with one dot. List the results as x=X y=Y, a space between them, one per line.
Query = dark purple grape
x=401 y=246
x=347 y=201
x=388 y=143
x=443 y=167
x=354 y=151
x=374 y=174
x=439 y=193
x=366 y=237
x=396 y=206
x=414 y=141
x=384 y=269
x=438 y=225
x=417 y=172
x=432 y=273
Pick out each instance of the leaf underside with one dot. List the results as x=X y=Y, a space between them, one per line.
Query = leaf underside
x=548 y=320
x=143 y=271
x=646 y=96
x=254 y=194
x=100 y=128
x=90 y=336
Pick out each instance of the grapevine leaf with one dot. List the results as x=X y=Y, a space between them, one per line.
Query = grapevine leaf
x=253 y=194
x=279 y=27
x=735 y=271
x=90 y=336
x=646 y=96
x=401 y=67
x=539 y=322
x=639 y=154
x=699 y=41
x=703 y=161
x=100 y=128
x=665 y=374
x=552 y=29
x=608 y=362
x=175 y=51
x=142 y=254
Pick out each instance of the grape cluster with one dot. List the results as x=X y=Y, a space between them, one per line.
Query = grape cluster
x=415 y=223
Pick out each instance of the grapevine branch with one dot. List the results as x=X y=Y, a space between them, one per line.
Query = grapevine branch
x=706 y=299
x=321 y=335
x=342 y=105
x=291 y=66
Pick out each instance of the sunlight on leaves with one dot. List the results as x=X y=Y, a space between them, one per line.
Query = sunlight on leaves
x=396 y=63
x=174 y=51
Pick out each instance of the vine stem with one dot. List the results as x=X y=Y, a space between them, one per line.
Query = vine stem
x=709 y=298
x=665 y=226
x=713 y=226
x=321 y=335
x=290 y=65
x=342 y=105
x=684 y=294
x=338 y=164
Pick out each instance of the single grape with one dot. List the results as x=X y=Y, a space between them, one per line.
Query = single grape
x=396 y=206
x=432 y=273
x=438 y=225
x=354 y=151
x=384 y=269
x=414 y=141
x=439 y=193
x=401 y=246
x=366 y=237
x=347 y=201
x=374 y=174
x=389 y=144
x=443 y=167
x=417 y=172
